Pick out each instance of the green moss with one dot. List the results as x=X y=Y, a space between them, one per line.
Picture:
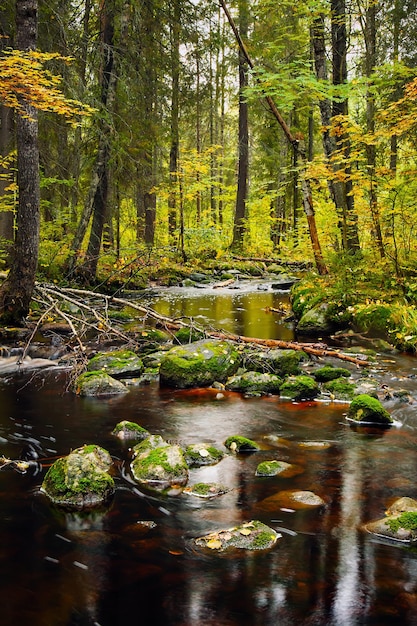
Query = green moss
x=147 y=467
x=407 y=520
x=188 y=335
x=241 y=444
x=300 y=388
x=328 y=372
x=365 y=408
x=116 y=361
x=268 y=468
x=210 y=456
x=126 y=430
x=202 y=488
x=340 y=389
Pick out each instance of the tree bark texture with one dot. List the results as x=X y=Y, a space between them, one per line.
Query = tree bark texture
x=16 y=291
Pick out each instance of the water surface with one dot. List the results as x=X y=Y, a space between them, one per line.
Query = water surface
x=106 y=568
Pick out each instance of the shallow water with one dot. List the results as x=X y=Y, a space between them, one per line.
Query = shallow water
x=107 y=568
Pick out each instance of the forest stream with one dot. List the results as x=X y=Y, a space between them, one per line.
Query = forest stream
x=135 y=561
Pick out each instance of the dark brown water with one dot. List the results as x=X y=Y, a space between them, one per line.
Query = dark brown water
x=106 y=568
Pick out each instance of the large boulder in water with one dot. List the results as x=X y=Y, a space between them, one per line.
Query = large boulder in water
x=81 y=479
x=255 y=383
x=282 y=362
x=199 y=364
x=399 y=523
x=117 y=363
x=365 y=409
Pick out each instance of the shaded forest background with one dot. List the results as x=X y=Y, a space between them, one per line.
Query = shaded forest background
x=182 y=157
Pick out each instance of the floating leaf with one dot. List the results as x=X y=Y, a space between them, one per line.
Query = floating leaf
x=214 y=544
x=204 y=452
x=245 y=531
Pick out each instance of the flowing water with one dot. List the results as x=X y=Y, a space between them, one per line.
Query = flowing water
x=107 y=567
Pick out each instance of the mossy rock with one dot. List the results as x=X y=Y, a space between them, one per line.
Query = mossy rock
x=316 y=321
x=328 y=372
x=98 y=384
x=400 y=522
x=81 y=479
x=199 y=454
x=153 y=335
x=254 y=383
x=199 y=364
x=373 y=318
x=402 y=505
x=206 y=490
x=277 y=361
x=153 y=360
x=237 y=443
x=367 y=410
x=340 y=389
x=300 y=388
x=159 y=464
x=118 y=364
x=188 y=335
x=130 y=430
x=272 y=468
x=254 y=535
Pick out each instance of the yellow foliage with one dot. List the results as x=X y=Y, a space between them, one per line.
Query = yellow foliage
x=24 y=79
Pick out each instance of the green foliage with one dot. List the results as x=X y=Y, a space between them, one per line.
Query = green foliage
x=407 y=520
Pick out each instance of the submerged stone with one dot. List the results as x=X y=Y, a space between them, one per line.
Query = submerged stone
x=130 y=430
x=272 y=468
x=365 y=409
x=98 y=384
x=118 y=364
x=293 y=499
x=159 y=464
x=81 y=479
x=199 y=364
x=252 y=535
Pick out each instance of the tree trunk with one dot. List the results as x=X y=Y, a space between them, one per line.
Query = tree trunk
x=370 y=62
x=349 y=224
x=16 y=291
x=243 y=140
x=174 y=151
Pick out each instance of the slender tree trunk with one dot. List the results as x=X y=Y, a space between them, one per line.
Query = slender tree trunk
x=350 y=236
x=174 y=151
x=370 y=46
x=243 y=145
x=16 y=291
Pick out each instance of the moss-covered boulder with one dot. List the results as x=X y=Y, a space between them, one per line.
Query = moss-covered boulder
x=254 y=383
x=365 y=409
x=277 y=361
x=199 y=454
x=340 y=389
x=153 y=360
x=188 y=335
x=159 y=464
x=254 y=535
x=316 y=321
x=400 y=522
x=300 y=388
x=328 y=372
x=237 y=443
x=272 y=468
x=118 y=364
x=98 y=384
x=80 y=480
x=199 y=364
x=130 y=430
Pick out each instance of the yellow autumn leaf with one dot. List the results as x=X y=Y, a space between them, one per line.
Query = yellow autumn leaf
x=214 y=544
x=245 y=531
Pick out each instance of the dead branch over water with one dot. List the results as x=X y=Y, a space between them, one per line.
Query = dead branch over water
x=50 y=296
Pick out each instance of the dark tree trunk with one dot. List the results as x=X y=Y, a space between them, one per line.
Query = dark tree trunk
x=243 y=146
x=349 y=224
x=16 y=291
x=174 y=151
